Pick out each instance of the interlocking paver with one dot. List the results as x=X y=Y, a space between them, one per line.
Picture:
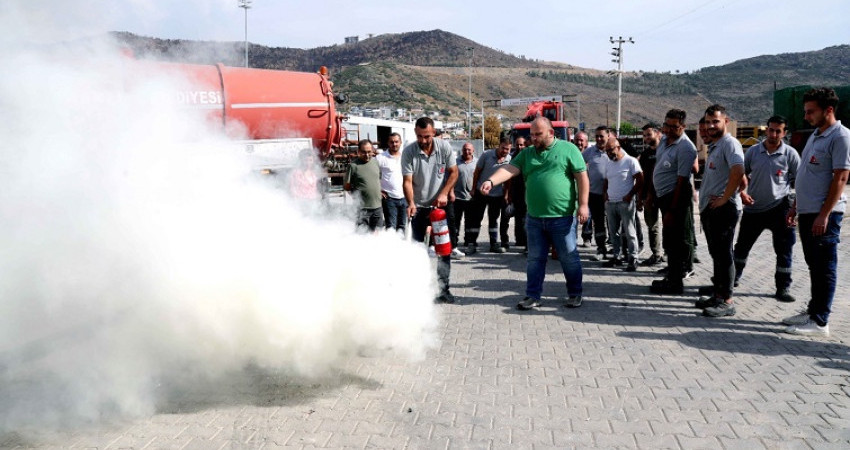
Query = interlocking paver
x=626 y=370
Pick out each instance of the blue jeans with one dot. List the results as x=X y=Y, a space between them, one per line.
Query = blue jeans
x=821 y=253
x=543 y=233
x=395 y=213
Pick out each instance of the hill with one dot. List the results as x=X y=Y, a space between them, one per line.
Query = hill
x=430 y=70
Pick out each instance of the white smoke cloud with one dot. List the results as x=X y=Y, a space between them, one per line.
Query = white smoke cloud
x=135 y=248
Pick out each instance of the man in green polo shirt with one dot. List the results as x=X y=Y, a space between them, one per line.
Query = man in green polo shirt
x=556 y=188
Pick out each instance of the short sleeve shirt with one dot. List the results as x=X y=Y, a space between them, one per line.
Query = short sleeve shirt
x=824 y=152
x=391 y=179
x=671 y=162
x=621 y=177
x=770 y=175
x=428 y=172
x=489 y=163
x=365 y=179
x=548 y=173
x=465 y=174
x=596 y=160
x=723 y=154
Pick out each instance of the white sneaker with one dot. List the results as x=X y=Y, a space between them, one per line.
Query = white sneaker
x=810 y=328
x=599 y=256
x=457 y=253
x=799 y=319
x=431 y=252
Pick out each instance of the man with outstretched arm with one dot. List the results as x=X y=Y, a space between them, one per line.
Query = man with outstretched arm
x=556 y=189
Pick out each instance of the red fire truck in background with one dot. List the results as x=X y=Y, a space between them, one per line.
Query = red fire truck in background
x=551 y=108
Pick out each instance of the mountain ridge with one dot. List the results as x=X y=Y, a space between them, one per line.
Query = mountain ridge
x=430 y=70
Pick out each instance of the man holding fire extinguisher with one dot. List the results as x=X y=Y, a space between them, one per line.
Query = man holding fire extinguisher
x=430 y=173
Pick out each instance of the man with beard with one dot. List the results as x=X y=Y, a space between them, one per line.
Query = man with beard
x=647 y=158
x=463 y=203
x=516 y=199
x=495 y=200
x=771 y=167
x=672 y=181
x=556 y=183
x=820 y=203
x=595 y=159
x=392 y=193
x=430 y=173
x=720 y=208
x=364 y=177
x=623 y=180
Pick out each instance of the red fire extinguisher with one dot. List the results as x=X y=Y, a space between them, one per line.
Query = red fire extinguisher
x=440 y=232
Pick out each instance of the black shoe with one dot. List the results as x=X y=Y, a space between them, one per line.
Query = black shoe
x=631 y=268
x=696 y=259
x=527 y=303
x=574 y=301
x=735 y=283
x=784 y=296
x=613 y=262
x=663 y=270
x=445 y=297
x=722 y=309
x=707 y=302
x=651 y=261
x=666 y=287
x=706 y=290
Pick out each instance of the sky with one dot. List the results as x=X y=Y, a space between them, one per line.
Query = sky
x=668 y=36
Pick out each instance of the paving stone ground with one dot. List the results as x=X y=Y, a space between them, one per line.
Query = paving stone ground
x=629 y=369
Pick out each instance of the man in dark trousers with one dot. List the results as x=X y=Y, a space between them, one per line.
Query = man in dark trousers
x=429 y=171
x=820 y=203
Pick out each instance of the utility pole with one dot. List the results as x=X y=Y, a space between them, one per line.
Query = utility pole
x=618 y=58
x=469 y=106
x=245 y=4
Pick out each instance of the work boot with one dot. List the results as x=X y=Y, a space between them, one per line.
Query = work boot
x=784 y=296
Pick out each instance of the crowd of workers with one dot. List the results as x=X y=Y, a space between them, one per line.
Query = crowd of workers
x=551 y=187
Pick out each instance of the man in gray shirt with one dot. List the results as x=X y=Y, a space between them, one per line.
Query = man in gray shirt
x=771 y=168
x=429 y=170
x=672 y=182
x=720 y=208
x=596 y=161
x=463 y=192
x=820 y=202
x=495 y=200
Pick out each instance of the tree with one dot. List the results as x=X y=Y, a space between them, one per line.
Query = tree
x=492 y=131
x=628 y=129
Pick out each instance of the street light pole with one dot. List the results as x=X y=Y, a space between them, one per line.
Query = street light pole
x=245 y=4
x=469 y=106
x=618 y=53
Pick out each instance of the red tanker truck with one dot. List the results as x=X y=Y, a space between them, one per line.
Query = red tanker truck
x=273 y=114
